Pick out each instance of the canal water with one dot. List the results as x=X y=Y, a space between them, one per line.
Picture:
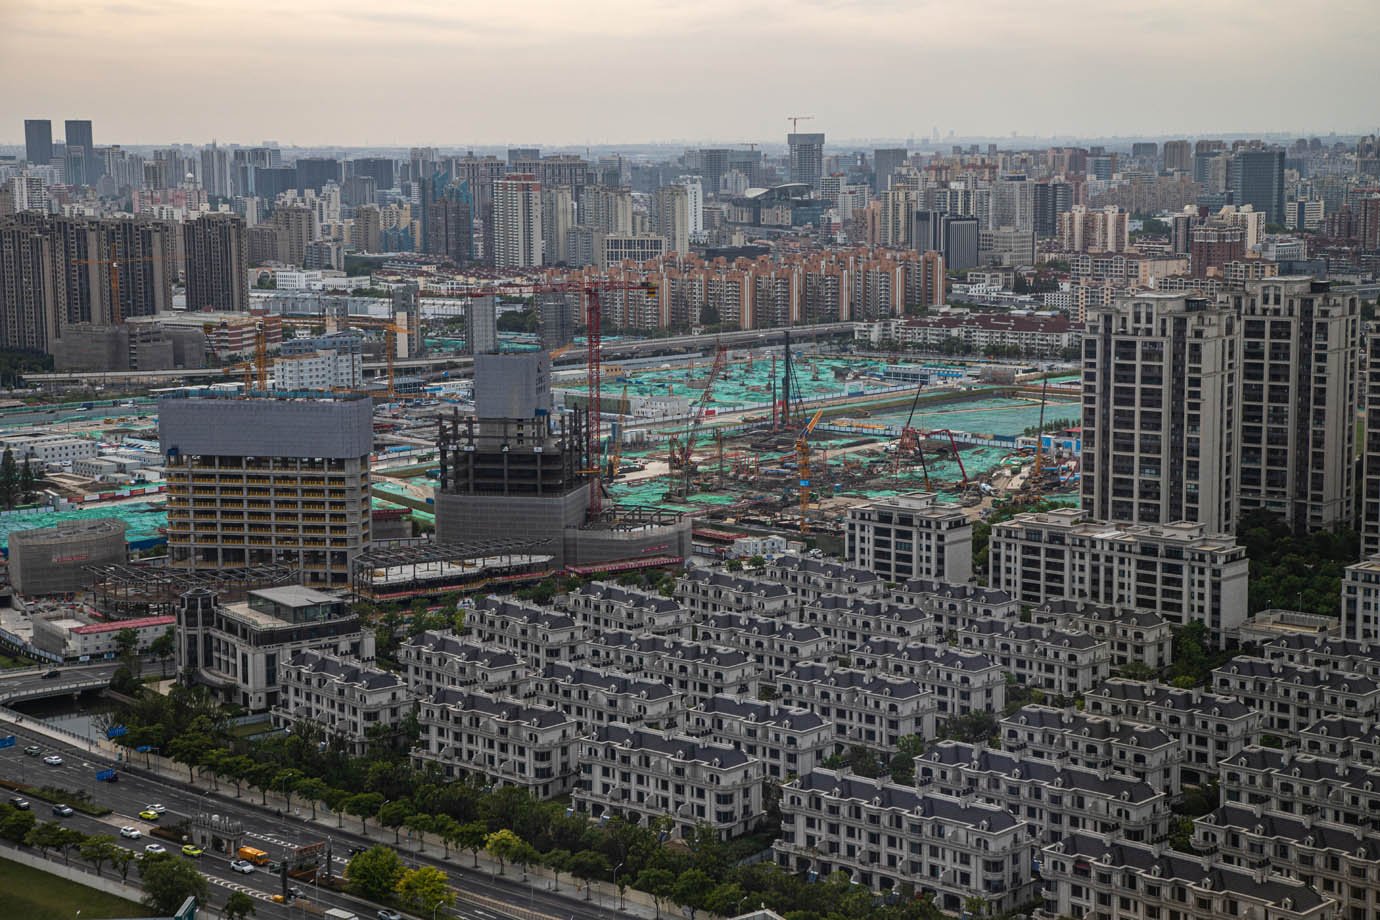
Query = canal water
x=78 y=716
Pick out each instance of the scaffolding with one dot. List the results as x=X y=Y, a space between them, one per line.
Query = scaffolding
x=407 y=571
x=123 y=591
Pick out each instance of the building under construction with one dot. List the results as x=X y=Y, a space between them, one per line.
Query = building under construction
x=514 y=472
x=126 y=591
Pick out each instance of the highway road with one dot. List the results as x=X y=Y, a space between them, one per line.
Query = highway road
x=32 y=684
x=482 y=894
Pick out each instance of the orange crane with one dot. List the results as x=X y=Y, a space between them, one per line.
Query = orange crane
x=802 y=467
x=391 y=331
x=116 y=307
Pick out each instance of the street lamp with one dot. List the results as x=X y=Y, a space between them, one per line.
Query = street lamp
x=615 y=885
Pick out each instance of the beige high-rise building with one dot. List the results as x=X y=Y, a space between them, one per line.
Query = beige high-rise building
x=517 y=221
x=557 y=217
x=368 y=225
x=1101 y=230
x=897 y=214
x=296 y=227
x=673 y=218
x=606 y=210
x=1299 y=353
x=1161 y=404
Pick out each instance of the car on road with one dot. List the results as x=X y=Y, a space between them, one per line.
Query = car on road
x=18 y=801
x=49 y=675
x=156 y=808
x=154 y=849
x=192 y=850
x=53 y=760
x=387 y=914
x=62 y=811
x=242 y=865
x=33 y=750
x=148 y=814
x=130 y=833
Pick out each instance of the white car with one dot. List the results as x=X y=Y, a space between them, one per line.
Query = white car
x=53 y=760
x=242 y=865
x=156 y=808
x=130 y=833
x=153 y=849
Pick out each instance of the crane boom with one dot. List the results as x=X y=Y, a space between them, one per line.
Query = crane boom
x=802 y=467
x=697 y=418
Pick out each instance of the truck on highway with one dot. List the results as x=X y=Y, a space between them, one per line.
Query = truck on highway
x=250 y=854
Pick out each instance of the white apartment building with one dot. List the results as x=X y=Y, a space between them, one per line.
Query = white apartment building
x=1088 y=876
x=1326 y=652
x=602 y=606
x=538 y=634
x=1210 y=727
x=776 y=645
x=955 y=606
x=1135 y=636
x=1293 y=697
x=1161 y=413
x=617 y=248
x=1181 y=572
x=595 y=696
x=1146 y=752
x=647 y=775
x=506 y=742
x=517 y=221
x=319 y=371
x=1055 y=799
x=697 y=670
x=809 y=579
x=789 y=740
x=1342 y=863
x=1343 y=737
x=911 y=536
x=886 y=836
x=238 y=650
x=438 y=659
x=848 y=622
x=1061 y=662
x=1332 y=790
x=1299 y=363
x=1361 y=598
x=871 y=710
x=704 y=591
x=961 y=681
x=348 y=700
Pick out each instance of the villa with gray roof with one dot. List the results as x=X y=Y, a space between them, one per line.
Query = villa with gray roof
x=872 y=710
x=602 y=606
x=439 y=658
x=789 y=740
x=538 y=634
x=1136 y=749
x=1134 y=636
x=647 y=775
x=889 y=838
x=347 y=699
x=705 y=591
x=810 y=579
x=596 y=696
x=960 y=680
x=1293 y=697
x=506 y=742
x=1059 y=661
x=695 y=669
x=776 y=645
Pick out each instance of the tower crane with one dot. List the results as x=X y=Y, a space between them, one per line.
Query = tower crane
x=116 y=307
x=795 y=121
x=909 y=443
x=692 y=429
x=802 y=467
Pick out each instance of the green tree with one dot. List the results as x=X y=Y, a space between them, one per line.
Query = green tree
x=168 y=882
x=726 y=899
x=975 y=906
x=98 y=850
x=237 y=768
x=313 y=790
x=374 y=874
x=420 y=825
x=44 y=837
x=69 y=839
x=163 y=648
x=657 y=882
x=238 y=906
x=587 y=866
x=424 y=889
x=9 y=479
x=472 y=837
x=285 y=781
x=393 y=814
x=191 y=750
x=363 y=806
x=28 y=482
x=557 y=861
x=446 y=830
x=127 y=648
x=16 y=824
x=502 y=845
x=691 y=890
x=122 y=859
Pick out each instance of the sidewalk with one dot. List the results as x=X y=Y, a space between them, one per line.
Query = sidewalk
x=460 y=863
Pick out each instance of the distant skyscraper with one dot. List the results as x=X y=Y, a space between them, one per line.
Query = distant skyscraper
x=807 y=157
x=381 y=169
x=961 y=238
x=1258 y=180
x=517 y=221
x=557 y=217
x=884 y=163
x=673 y=218
x=216 y=263
x=296 y=228
x=518 y=155
x=448 y=218
x=315 y=172
x=1178 y=156
x=215 y=171
x=713 y=164
x=1051 y=199
x=694 y=192
x=82 y=166
x=38 y=141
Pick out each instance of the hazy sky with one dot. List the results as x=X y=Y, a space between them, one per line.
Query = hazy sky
x=401 y=72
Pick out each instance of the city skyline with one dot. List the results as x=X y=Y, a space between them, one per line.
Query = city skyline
x=848 y=64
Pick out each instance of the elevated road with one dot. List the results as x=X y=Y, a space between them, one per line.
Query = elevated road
x=35 y=684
